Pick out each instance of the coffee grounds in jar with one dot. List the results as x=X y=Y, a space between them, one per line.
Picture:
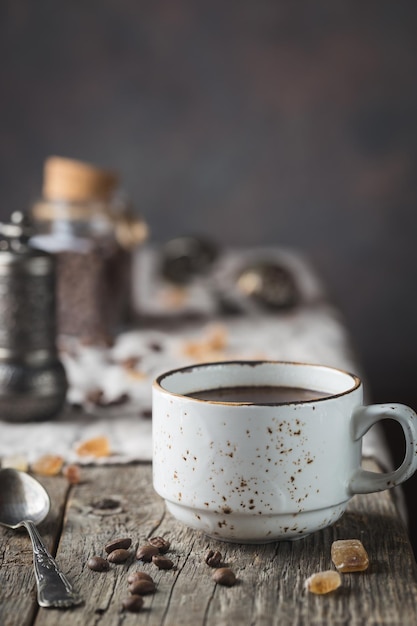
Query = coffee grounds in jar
x=92 y=292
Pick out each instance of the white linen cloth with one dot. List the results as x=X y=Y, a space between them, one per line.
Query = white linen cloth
x=311 y=332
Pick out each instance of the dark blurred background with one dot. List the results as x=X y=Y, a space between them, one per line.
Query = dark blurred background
x=253 y=122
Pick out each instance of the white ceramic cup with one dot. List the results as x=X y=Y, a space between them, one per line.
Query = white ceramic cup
x=254 y=473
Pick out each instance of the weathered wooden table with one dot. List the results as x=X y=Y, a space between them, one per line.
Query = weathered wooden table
x=271 y=578
x=270 y=588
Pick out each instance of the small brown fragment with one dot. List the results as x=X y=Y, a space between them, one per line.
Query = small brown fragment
x=116 y=544
x=132 y=604
x=145 y=553
x=136 y=375
x=72 y=473
x=213 y=558
x=118 y=556
x=98 y=564
x=122 y=399
x=162 y=544
x=349 y=555
x=323 y=582
x=162 y=562
x=130 y=362
x=142 y=587
x=224 y=576
x=94 y=396
x=135 y=576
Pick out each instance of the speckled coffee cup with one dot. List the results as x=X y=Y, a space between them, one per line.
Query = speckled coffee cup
x=255 y=473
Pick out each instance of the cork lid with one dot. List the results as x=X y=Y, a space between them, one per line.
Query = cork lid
x=76 y=181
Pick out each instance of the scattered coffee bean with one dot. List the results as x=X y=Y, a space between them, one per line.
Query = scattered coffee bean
x=213 y=558
x=118 y=556
x=133 y=604
x=162 y=544
x=162 y=562
x=142 y=587
x=155 y=346
x=98 y=564
x=135 y=576
x=122 y=399
x=145 y=553
x=224 y=576
x=116 y=544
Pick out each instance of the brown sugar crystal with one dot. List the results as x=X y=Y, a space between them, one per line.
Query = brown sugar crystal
x=323 y=582
x=48 y=465
x=95 y=447
x=349 y=555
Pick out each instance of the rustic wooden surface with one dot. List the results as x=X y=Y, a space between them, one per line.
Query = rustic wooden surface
x=271 y=577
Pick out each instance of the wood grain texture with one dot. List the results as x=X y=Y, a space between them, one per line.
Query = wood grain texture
x=18 y=604
x=271 y=577
x=253 y=123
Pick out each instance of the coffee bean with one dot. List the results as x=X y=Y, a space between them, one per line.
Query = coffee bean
x=162 y=562
x=130 y=362
x=162 y=544
x=135 y=576
x=122 y=399
x=98 y=564
x=224 y=576
x=142 y=587
x=213 y=558
x=133 y=604
x=118 y=556
x=115 y=544
x=145 y=553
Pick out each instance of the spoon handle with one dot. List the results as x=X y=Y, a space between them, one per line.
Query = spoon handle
x=54 y=589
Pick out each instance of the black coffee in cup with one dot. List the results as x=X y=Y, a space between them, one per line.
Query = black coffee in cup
x=258 y=394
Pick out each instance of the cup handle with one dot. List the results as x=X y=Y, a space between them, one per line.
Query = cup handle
x=362 y=419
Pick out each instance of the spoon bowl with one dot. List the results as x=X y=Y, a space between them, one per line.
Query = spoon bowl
x=24 y=502
x=21 y=497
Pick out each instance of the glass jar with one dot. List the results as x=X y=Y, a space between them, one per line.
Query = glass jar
x=87 y=224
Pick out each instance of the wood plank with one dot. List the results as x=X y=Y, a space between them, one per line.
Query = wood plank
x=18 y=604
x=271 y=577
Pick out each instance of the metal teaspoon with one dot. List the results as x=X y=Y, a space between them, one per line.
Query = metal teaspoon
x=24 y=502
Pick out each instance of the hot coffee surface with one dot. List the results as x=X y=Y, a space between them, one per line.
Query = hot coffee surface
x=258 y=394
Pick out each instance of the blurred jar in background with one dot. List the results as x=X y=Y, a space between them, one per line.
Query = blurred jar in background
x=83 y=219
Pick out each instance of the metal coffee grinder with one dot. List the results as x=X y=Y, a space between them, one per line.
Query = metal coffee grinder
x=33 y=382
